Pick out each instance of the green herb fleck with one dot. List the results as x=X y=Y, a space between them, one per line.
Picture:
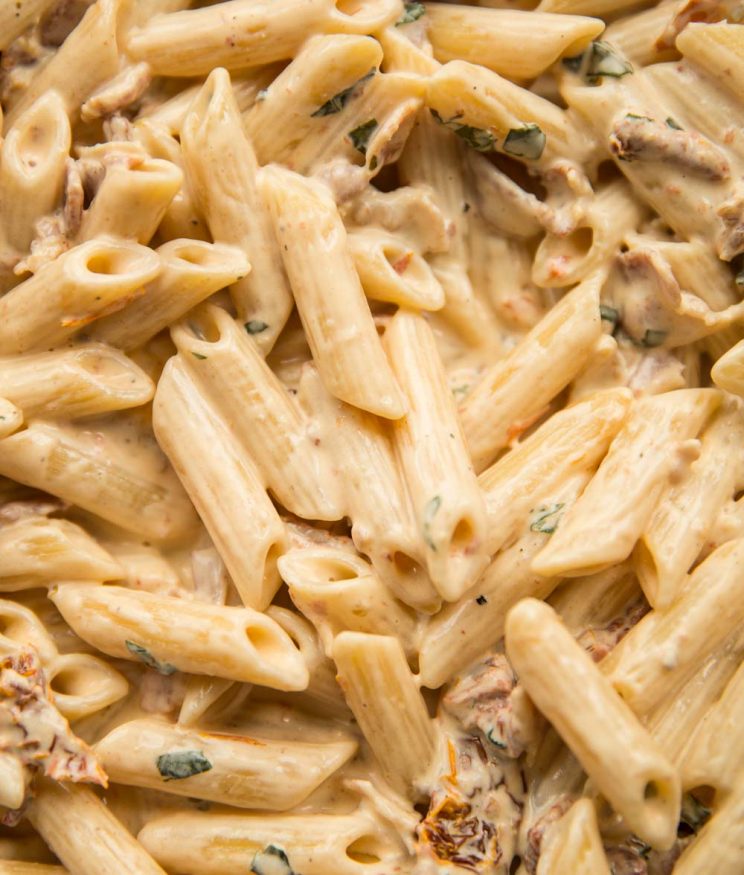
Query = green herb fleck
x=671 y=123
x=461 y=391
x=360 y=136
x=198 y=355
x=525 y=142
x=256 y=326
x=373 y=163
x=149 y=660
x=604 y=61
x=739 y=279
x=182 y=764
x=430 y=511
x=262 y=95
x=482 y=600
x=339 y=101
x=547 y=518
x=480 y=140
x=411 y=12
x=640 y=118
x=609 y=314
x=653 y=337
x=271 y=861
x=640 y=847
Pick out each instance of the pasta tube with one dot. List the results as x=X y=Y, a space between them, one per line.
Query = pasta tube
x=571 y=441
x=84 y=834
x=236 y=643
x=573 y=846
x=660 y=653
x=718 y=846
x=517 y=388
x=32 y=168
x=617 y=753
x=431 y=451
x=37 y=550
x=245 y=33
x=596 y=534
x=339 y=591
x=191 y=270
x=82 y=284
x=97 y=475
x=233 y=769
x=221 y=167
x=234 y=377
x=82 y=380
x=516 y=44
x=388 y=706
x=221 y=844
x=336 y=318
x=243 y=523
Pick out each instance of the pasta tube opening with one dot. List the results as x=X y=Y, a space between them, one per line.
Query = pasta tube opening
x=84 y=684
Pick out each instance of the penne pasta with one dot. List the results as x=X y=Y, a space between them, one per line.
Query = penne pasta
x=235 y=643
x=602 y=732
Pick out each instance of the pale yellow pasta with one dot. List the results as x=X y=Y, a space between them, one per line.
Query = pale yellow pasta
x=80 y=286
x=32 y=168
x=227 y=364
x=607 y=739
x=236 y=643
x=388 y=706
x=84 y=834
x=429 y=443
x=244 y=524
x=718 y=49
x=81 y=380
x=679 y=526
x=516 y=44
x=338 y=591
x=38 y=550
x=221 y=167
x=656 y=440
x=322 y=844
x=349 y=356
x=718 y=846
x=190 y=271
x=16 y=17
x=659 y=654
x=245 y=33
x=390 y=270
x=512 y=392
x=11 y=417
x=574 y=846
x=96 y=40
x=245 y=772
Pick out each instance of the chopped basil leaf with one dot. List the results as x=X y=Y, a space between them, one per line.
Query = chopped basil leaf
x=482 y=600
x=430 y=511
x=373 y=163
x=271 y=861
x=339 y=101
x=671 y=123
x=198 y=355
x=182 y=764
x=609 y=314
x=411 y=12
x=461 y=390
x=653 y=337
x=149 y=660
x=604 y=61
x=480 y=140
x=360 y=136
x=640 y=118
x=525 y=142
x=547 y=518
x=255 y=326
